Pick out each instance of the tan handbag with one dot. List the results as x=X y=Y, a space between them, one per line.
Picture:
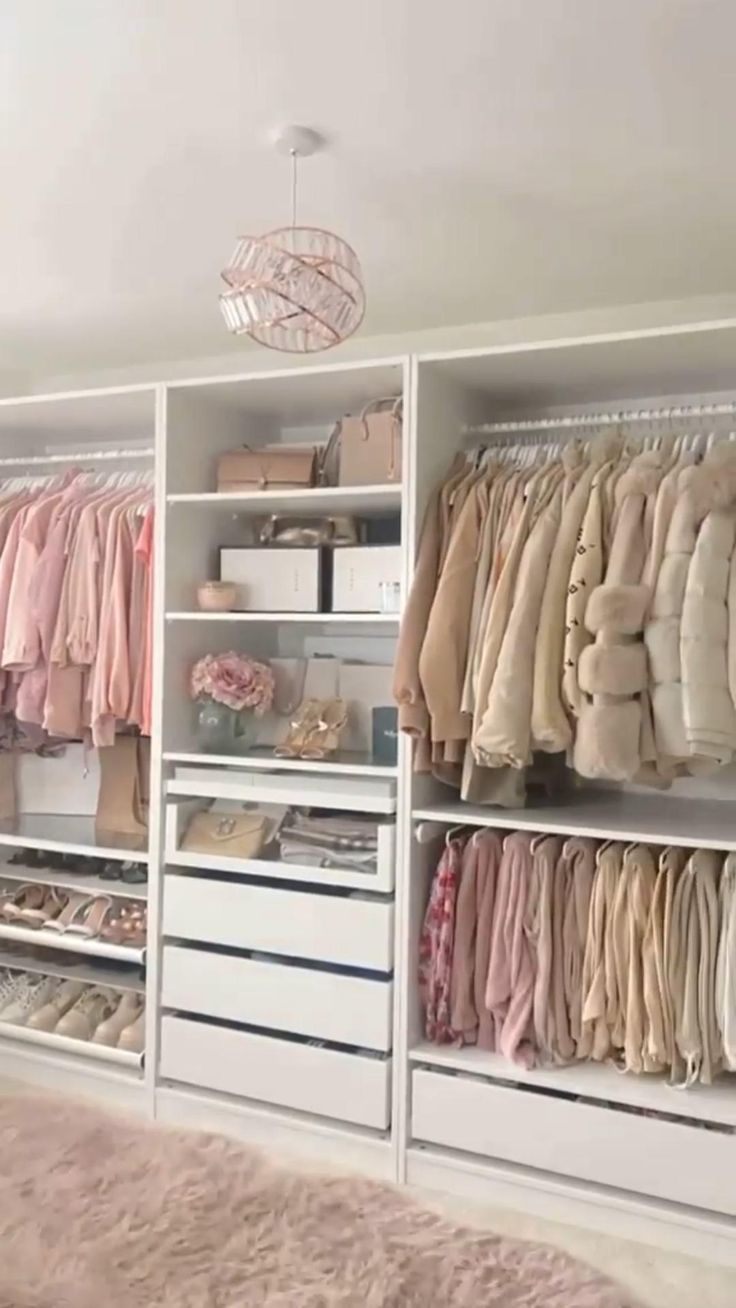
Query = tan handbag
x=227 y=835
x=270 y=468
x=370 y=445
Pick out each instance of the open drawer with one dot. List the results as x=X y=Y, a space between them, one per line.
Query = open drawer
x=381 y=881
x=351 y=1087
x=679 y=1162
x=304 y=1000
x=325 y=927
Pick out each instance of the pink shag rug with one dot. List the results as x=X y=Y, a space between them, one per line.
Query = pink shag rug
x=98 y=1211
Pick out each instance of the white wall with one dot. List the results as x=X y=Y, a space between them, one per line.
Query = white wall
x=548 y=327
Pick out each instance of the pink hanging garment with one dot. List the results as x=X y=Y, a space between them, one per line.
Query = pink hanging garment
x=145 y=553
x=510 y=988
x=490 y=851
x=436 y=944
x=463 y=1015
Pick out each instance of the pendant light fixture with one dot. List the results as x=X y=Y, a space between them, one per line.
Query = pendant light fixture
x=298 y=289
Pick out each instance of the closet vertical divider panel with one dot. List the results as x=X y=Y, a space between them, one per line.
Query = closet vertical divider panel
x=277 y=992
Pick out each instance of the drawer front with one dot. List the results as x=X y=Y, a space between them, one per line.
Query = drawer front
x=350 y=1010
x=348 y=1087
x=680 y=1163
x=326 y=928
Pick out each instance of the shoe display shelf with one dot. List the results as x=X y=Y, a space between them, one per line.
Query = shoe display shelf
x=70 y=968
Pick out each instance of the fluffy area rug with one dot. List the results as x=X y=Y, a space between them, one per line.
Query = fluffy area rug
x=98 y=1211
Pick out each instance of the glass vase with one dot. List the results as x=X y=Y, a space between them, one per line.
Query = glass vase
x=222 y=730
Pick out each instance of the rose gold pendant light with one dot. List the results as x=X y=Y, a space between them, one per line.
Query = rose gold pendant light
x=297 y=289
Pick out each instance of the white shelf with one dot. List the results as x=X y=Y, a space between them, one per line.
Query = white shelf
x=362 y=501
x=705 y=824
x=70 y=881
x=65 y=834
x=117 y=978
x=355 y=765
x=302 y=619
x=714 y=1103
x=70 y=944
x=65 y=1045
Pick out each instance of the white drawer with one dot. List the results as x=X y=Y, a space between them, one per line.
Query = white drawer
x=179 y=813
x=348 y=1009
x=349 y=1087
x=356 y=794
x=680 y=1163
x=327 y=928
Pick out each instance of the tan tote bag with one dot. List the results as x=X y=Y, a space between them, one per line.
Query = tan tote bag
x=370 y=445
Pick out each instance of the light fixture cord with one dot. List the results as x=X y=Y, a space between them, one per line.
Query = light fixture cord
x=294 y=157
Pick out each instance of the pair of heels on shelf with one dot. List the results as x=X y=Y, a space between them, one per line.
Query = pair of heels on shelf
x=74 y=913
x=315 y=731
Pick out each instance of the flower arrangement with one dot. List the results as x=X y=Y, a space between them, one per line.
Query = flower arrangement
x=235 y=680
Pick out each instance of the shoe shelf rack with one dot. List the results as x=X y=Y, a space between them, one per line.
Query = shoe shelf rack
x=63 y=833
x=282 y=1003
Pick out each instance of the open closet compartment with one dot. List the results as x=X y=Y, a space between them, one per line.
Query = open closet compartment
x=475 y=1117
x=74 y=848
x=280 y=842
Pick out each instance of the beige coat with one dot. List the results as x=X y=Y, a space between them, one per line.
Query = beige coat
x=612 y=672
x=503 y=735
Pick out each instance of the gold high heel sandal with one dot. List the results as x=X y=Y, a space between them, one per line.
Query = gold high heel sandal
x=307 y=717
x=324 y=738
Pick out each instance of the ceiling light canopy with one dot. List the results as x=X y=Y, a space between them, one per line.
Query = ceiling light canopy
x=298 y=289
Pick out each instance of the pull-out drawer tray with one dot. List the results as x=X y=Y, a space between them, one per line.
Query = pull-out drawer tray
x=346 y=1086
x=352 y=932
x=303 y=1000
x=679 y=1162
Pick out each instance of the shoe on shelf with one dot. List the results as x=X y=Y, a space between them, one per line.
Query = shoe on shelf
x=10 y=983
x=81 y=1021
x=126 y=1013
x=134 y=874
x=25 y=899
x=46 y=1017
x=133 y=1038
x=34 y=992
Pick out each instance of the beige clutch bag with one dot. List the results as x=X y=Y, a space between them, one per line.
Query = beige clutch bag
x=227 y=835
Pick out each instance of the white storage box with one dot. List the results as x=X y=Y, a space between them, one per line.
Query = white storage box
x=358 y=572
x=352 y=932
x=351 y=1010
x=381 y=881
x=276 y=580
x=329 y=1082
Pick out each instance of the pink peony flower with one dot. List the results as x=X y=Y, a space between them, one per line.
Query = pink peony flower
x=235 y=680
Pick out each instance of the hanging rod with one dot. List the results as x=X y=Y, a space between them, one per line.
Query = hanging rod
x=604 y=419
x=82 y=456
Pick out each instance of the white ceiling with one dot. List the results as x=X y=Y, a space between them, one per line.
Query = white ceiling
x=490 y=159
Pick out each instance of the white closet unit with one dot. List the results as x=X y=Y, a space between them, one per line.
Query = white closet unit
x=283 y=1001
x=276 y=982
x=99 y=431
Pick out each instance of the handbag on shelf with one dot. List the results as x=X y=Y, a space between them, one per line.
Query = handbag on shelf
x=228 y=835
x=273 y=467
x=369 y=446
x=279 y=530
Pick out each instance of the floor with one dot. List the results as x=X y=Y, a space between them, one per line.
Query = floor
x=656 y=1277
